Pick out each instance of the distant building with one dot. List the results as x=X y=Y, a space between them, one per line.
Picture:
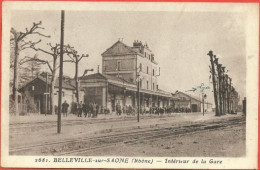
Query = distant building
x=186 y=101
x=208 y=107
x=192 y=103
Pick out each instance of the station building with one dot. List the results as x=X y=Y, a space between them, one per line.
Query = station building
x=122 y=67
x=190 y=103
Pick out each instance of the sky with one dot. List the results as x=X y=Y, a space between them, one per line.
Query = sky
x=180 y=41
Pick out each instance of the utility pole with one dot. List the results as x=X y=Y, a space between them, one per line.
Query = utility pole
x=138 y=93
x=61 y=70
x=210 y=54
x=138 y=101
x=203 y=103
x=46 y=95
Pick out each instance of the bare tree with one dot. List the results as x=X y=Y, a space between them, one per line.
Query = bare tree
x=75 y=58
x=30 y=68
x=54 y=53
x=19 y=43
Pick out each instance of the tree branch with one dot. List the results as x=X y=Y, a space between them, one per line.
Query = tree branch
x=82 y=57
x=47 y=36
x=25 y=60
x=68 y=61
x=44 y=51
x=29 y=44
x=32 y=30
x=44 y=62
x=72 y=59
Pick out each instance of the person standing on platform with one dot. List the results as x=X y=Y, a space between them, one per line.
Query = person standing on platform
x=97 y=110
x=94 y=109
x=64 y=108
x=80 y=109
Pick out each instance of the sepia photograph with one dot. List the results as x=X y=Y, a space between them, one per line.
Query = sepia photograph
x=130 y=85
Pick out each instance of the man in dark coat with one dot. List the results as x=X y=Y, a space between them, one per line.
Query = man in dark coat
x=64 y=108
x=80 y=109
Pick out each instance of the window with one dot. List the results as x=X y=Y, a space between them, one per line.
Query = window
x=153 y=86
x=147 y=84
x=140 y=66
x=157 y=87
x=118 y=65
x=140 y=83
x=153 y=72
x=147 y=70
x=145 y=54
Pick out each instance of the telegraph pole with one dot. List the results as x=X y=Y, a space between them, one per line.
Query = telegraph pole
x=210 y=54
x=138 y=101
x=46 y=95
x=61 y=70
x=203 y=100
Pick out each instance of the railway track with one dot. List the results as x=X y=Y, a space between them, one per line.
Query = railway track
x=165 y=133
x=87 y=144
x=50 y=124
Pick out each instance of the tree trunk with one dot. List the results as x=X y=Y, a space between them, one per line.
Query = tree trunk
x=15 y=81
x=77 y=81
x=52 y=106
x=214 y=84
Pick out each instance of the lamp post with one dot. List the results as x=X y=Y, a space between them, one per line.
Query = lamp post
x=204 y=96
x=78 y=80
x=138 y=93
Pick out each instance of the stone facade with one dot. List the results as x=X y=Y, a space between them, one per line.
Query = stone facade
x=130 y=62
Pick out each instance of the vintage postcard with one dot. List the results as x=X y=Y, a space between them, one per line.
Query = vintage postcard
x=130 y=85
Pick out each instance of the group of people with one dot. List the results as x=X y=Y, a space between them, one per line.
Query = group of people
x=83 y=109
x=88 y=110
x=93 y=109
x=125 y=109
x=182 y=110
x=129 y=110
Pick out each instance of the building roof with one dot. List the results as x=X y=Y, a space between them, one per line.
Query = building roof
x=109 y=78
x=67 y=82
x=123 y=83
x=191 y=96
x=119 y=48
